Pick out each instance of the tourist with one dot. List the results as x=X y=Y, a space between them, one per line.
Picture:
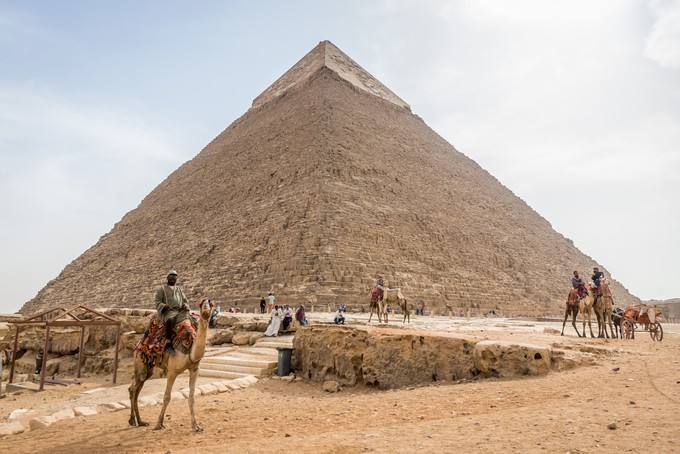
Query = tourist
x=275 y=323
x=172 y=305
x=339 y=318
x=213 y=317
x=270 y=302
x=38 y=362
x=578 y=284
x=263 y=305
x=287 y=317
x=300 y=315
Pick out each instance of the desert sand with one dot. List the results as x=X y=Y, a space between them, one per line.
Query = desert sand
x=626 y=401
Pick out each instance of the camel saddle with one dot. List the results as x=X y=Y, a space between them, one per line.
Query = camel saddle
x=153 y=343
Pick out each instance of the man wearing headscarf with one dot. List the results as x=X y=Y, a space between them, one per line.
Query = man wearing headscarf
x=171 y=303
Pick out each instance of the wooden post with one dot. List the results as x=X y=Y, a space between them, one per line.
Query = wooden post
x=43 y=370
x=115 y=359
x=80 y=350
x=14 y=354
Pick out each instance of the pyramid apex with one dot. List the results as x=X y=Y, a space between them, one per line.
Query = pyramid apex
x=327 y=55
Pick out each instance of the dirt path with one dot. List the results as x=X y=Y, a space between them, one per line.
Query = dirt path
x=568 y=411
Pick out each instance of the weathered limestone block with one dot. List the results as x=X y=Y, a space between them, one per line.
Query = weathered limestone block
x=66 y=413
x=241 y=338
x=505 y=359
x=84 y=411
x=221 y=336
x=65 y=341
x=208 y=389
x=350 y=356
x=11 y=428
x=41 y=422
x=254 y=337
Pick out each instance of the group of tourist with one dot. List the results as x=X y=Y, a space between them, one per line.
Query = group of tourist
x=580 y=286
x=283 y=315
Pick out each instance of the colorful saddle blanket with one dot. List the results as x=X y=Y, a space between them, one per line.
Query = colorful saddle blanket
x=377 y=295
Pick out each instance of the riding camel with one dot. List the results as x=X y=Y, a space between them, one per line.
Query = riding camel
x=390 y=296
x=174 y=364
x=603 y=310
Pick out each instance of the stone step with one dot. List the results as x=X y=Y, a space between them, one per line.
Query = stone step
x=255 y=361
x=222 y=374
x=247 y=370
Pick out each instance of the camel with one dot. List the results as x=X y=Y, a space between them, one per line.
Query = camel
x=374 y=305
x=585 y=307
x=174 y=364
x=394 y=296
x=603 y=310
x=572 y=309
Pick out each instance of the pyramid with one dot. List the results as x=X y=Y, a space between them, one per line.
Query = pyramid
x=327 y=180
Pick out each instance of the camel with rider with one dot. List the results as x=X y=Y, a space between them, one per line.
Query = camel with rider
x=173 y=364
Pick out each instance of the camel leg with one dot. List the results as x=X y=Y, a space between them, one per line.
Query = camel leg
x=566 y=315
x=573 y=322
x=172 y=375
x=193 y=375
x=141 y=374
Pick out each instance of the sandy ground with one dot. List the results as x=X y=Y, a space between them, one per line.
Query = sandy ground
x=570 y=411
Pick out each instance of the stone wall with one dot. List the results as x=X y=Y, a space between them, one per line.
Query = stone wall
x=381 y=358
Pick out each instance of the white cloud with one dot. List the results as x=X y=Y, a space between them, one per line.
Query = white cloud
x=68 y=172
x=663 y=41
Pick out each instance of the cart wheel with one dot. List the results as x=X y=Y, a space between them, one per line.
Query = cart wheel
x=627 y=329
x=656 y=331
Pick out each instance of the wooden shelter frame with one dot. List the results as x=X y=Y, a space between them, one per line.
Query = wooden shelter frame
x=64 y=318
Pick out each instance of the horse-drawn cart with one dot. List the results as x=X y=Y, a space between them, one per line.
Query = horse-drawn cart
x=646 y=317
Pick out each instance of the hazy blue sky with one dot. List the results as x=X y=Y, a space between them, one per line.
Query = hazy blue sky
x=573 y=105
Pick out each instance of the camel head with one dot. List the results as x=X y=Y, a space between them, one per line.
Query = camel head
x=205 y=308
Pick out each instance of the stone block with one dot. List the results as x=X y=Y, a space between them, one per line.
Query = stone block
x=84 y=411
x=41 y=422
x=66 y=413
x=11 y=428
x=506 y=359
x=207 y=389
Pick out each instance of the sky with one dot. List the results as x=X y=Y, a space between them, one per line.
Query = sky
x=573 y=105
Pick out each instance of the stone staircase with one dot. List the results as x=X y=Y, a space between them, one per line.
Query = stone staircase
x=259 y=360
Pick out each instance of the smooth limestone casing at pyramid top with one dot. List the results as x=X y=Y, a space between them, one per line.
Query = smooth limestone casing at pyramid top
x=326 y=181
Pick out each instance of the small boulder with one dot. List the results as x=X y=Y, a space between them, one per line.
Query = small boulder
x=331 y=386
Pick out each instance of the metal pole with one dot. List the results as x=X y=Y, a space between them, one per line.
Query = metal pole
x=115 y=360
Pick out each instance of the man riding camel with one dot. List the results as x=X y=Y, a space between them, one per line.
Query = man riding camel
x=172 y=305
x=579 y=285
x=379 y=290
x=597 y=276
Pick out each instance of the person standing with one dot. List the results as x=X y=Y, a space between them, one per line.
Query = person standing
x=270 y=302
x=275 y=323
x=263 y=305
x=172 y=305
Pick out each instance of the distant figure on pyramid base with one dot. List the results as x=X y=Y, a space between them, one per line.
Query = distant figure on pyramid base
x=339 y=318
x=263 y=305
x=213 y=317
x=270 y=302
x=377 y=295
x=379 y=289
x=579 y=285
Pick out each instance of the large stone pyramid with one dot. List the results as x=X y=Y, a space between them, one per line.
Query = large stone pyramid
x=327 y=180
